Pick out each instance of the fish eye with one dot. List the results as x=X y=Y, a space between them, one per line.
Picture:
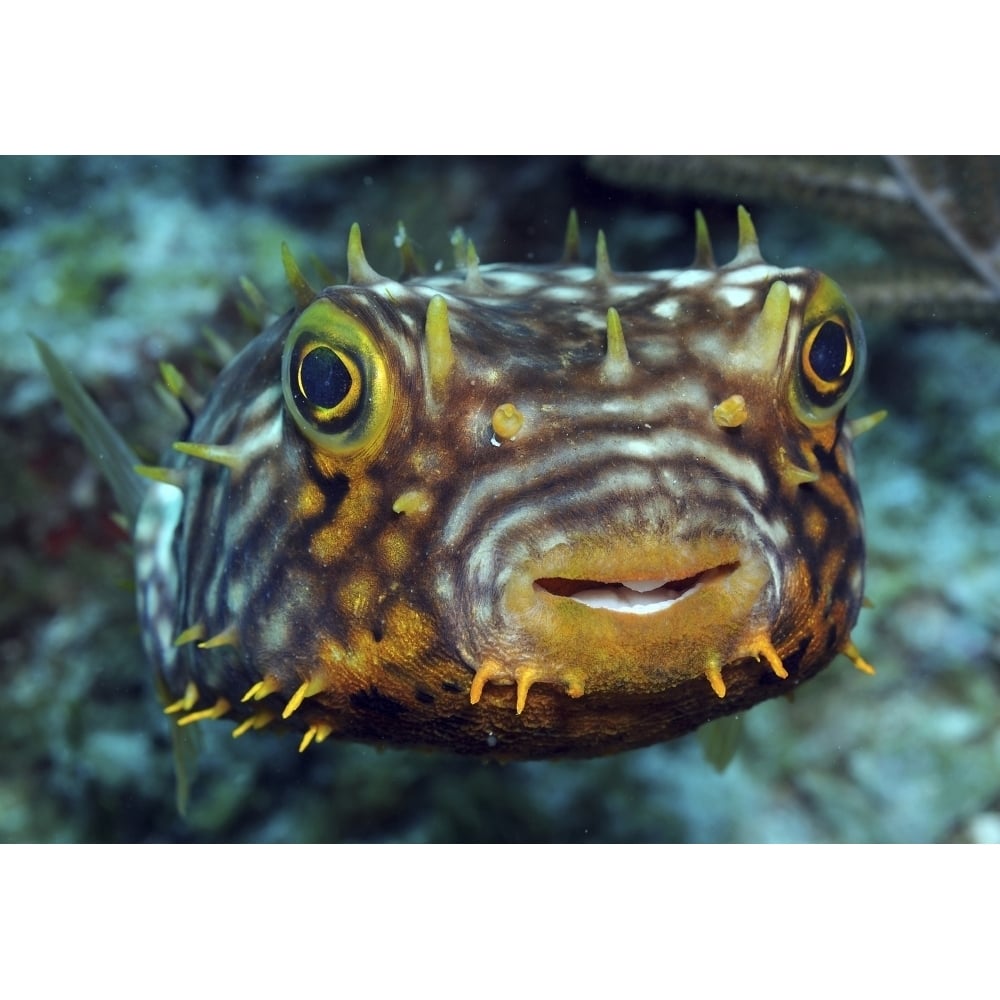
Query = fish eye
x=328 y=383
x=827 y=358
x=335 y=380
x=830 y=356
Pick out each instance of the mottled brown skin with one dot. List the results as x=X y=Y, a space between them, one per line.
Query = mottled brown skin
x=551 y=725
x=400 y=565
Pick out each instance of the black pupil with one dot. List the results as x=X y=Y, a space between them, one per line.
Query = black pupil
x=324 y=378
x=828 y=352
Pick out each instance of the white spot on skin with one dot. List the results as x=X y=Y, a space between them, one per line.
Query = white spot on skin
x=580 y=274
x=796 y=293
x=390 y=289
x=734 y=297
x=757 y=274
x=667 y=309
x=428 y=291
x=591 y=319
x=563 y=293
x=631 y=291
x=510 y=282
x=156 y=527
x=693 y=279
x=237 y=596
x=445 y=587
x=164 y=635
x=266 y=399
x=156 y=570
x=263 y=439
x=661 y=351
x=276 y=632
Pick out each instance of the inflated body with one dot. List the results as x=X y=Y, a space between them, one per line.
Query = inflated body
x=515 y=511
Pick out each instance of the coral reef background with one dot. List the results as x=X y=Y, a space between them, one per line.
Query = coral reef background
x=120 y=263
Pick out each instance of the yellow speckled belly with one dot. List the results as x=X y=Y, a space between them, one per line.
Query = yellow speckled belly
x=515 y=511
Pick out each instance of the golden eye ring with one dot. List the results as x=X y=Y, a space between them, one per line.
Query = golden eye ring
x=827 y=358
x=329 y=381
x=336 y=381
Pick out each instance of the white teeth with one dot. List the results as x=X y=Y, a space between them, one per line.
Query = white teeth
x=630 y=601
x=641 y=586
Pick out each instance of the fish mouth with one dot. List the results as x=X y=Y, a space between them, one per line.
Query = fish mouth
x=645 y=596
x=630 y=612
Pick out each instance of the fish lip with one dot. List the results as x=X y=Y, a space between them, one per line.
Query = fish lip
x=613 y=596
x=569 y=567
x=728 y=598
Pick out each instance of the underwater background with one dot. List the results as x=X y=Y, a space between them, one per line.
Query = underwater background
x=121 y=263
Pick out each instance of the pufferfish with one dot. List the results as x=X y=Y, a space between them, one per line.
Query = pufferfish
x=514 y=511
